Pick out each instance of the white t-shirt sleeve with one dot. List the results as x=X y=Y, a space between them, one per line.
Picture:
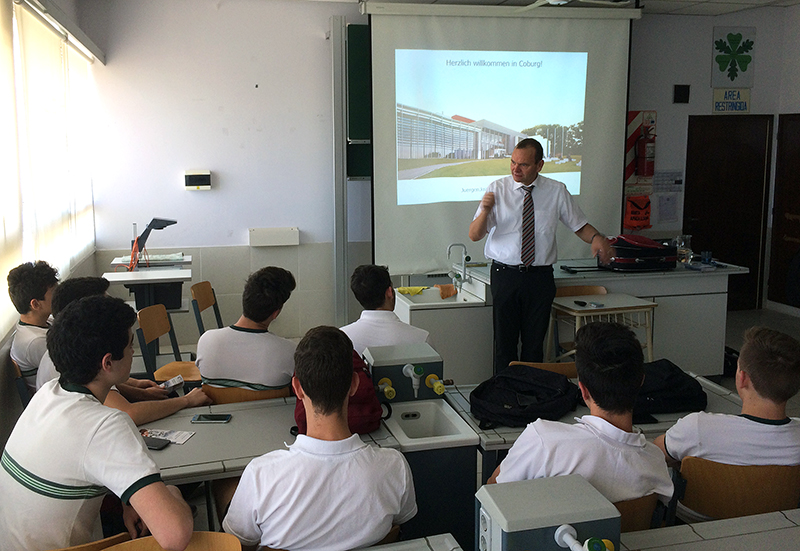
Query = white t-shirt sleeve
x=117 y=457
x=522 y=460
x=408 y=505
x=683 y=438
x=241 y=519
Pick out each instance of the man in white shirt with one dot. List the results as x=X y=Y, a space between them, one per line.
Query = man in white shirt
x=378 y=324
x=767 y=376
x=31 y=286
x=246 y=354
x=329 y=490
x=522 y=277
x=603 y=446
x=68 y=450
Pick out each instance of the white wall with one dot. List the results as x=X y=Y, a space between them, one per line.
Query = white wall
x=242 y=88
x=670 y=49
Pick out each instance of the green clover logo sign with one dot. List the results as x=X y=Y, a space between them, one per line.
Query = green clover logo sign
x=734 y=54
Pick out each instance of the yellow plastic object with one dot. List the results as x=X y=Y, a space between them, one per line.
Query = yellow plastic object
x=385 y=386
x=609 y=545
x=433 y=381
x=410 y=290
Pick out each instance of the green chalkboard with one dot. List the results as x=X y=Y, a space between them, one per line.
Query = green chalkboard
x=359 y=101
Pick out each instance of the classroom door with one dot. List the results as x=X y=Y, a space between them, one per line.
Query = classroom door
x=784 y=256
x=726 y=194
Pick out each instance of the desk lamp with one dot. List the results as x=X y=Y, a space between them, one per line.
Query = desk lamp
x=139 y=242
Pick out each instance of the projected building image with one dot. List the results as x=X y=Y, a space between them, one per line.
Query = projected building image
x=425 y=135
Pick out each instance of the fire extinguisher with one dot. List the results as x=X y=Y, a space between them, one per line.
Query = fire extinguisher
x=646 y=153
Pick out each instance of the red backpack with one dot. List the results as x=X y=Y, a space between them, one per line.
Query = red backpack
x=363 y=412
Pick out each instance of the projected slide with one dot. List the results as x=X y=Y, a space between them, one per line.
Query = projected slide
x=461 y=112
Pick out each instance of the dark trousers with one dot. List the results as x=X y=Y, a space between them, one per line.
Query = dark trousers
x=522 y=302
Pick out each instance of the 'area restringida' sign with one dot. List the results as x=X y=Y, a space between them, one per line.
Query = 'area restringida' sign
x=732 y=68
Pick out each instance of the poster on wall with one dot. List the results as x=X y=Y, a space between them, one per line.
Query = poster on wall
x=733 y=57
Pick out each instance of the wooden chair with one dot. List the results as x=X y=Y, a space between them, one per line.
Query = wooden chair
x=22 y=387
x=566 y=368
x=201 y=541
x=719 y=491
x=391 y=537
x=637 y=514
x=232 y=395
x=224 y=488
x=555 y=317
x=203 y=296
x=99 y=544
x=154 y=322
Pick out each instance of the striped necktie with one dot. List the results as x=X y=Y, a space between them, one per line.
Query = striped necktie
x=528 y=253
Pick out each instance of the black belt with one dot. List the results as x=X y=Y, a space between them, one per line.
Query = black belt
x=522 y=267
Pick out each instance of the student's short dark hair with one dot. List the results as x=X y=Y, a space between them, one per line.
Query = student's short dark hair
x=266 y=291
x=528 y=143
x=610 y=364
x=30 y=281
x=369 y=283
x=85 y=331
x=77 y=287
x=323 y=364
x=772 y=360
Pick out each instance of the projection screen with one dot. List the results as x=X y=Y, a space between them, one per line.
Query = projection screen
x=453 y=94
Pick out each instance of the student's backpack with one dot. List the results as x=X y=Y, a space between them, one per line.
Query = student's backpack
x=668 y=389
x=363 y=411
x=521 y=394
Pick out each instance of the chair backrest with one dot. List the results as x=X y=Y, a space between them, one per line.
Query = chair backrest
x=203 y=296
x=100 y=544
x=201 y=541
x=637 y=514
x=19 y=382
x=575 y=290
x=565 y=368
x=155 y=322
x=233 y=394
x=722 y=491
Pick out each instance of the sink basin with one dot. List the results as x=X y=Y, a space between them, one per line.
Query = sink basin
x=430 y=298
x=429 y=424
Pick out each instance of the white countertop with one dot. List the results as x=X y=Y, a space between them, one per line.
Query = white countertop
x=481 y=273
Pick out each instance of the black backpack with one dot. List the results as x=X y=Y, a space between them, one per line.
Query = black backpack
x=667 y=389
x=520 y=394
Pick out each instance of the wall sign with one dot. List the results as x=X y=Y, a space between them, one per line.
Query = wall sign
x=733 y=57
x=730 y=101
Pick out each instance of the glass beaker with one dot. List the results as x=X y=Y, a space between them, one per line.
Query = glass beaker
x=684 y=246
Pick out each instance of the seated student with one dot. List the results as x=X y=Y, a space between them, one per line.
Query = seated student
x=378 y=324
x=767 y=376
x=31 y=287
x=329 y=490
x=602 y=447
x=246 y=354
x=67 y=449
x=150 y=401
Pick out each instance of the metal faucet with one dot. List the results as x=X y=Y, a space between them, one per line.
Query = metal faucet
x=459 y=279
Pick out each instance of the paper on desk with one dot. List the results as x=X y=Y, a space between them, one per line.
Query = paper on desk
x=174 y=436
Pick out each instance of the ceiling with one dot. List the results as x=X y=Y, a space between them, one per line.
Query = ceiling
x=676 y=7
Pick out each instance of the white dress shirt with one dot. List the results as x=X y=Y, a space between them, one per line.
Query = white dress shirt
x=552 y=202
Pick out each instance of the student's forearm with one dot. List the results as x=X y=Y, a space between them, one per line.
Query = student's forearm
x=144 y=412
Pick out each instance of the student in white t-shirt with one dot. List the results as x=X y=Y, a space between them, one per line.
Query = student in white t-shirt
x=246 y=354
x=603 y=447
x=68 y=450
x=767 y=376
x=31 y=286
x=329 y=490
